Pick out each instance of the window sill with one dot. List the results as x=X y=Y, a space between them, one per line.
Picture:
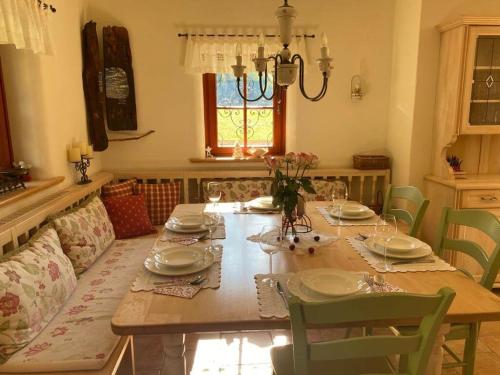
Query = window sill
x=32 y=187
x=227 y=159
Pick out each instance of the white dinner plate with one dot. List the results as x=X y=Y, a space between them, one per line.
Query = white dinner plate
x=401 y=243
x=187 y=221
x=179 y=257
x=354 y=209
x=296 y=288
x=262 y=203
x=419 y=252
x=363 y=215
x=153 y=266
x=178 y=229
x=332 y=282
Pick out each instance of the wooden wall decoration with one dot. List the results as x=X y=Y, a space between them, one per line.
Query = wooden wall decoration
x=118 y=79
x=93 y=88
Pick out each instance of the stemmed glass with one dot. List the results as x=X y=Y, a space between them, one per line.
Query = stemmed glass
x=386 y=230
x=339 y=197
x=271 y=241
x=212 y=220
x=214 y=190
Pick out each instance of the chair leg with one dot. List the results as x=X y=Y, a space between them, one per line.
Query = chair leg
x=470 y=350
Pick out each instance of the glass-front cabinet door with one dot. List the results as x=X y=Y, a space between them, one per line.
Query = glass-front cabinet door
x=481 y=106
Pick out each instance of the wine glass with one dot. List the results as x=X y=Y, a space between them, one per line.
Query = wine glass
x=214 y=191
x=212 y=220
x=271 y=241
x=386 y=230
x=339 y=197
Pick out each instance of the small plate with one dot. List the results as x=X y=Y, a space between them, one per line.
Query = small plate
x=177 y=229
x=188 y=221
x=419 y=252
x=363 y=215
x=179 y=257
x=332 y=282
x=262 y=203
x=296 y=288
x=399 y=244
x=159 y=269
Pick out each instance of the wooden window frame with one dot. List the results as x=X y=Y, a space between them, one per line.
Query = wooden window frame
x=6 y=154
x=210 y=104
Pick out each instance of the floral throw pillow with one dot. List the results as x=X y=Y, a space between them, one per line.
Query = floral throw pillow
x=35 y=283
x=240 y=190
x=85 y=233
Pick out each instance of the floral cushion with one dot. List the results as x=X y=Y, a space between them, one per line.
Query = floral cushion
x=323 y=190
x=35 y=283
x=80 y=337
x=85 y=233
x=240 y=190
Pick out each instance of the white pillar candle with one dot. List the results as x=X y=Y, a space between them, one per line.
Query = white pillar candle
x=84 y=148
x=324 y=47
x=260 y=50
x=74 y=155
x=90 y=151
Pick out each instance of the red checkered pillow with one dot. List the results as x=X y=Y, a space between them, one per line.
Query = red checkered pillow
x=161 y=199
x=121 y=189
x=129 y=216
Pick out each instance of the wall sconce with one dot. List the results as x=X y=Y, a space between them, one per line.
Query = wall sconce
x=356 y=90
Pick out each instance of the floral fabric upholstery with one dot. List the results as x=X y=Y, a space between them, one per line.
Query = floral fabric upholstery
x=35 y=283
x=240 y=190
x=80 y=337
x=85 y=233
x=323 y=190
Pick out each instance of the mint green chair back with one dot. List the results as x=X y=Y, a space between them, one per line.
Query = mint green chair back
x=482 y=220
x=411 y=194
x=429 y=309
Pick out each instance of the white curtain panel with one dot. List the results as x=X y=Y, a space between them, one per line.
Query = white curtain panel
x=24 y=24
x=213 y=54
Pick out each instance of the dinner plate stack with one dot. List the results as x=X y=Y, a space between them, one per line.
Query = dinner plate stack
x=325 y=284
x=263 y=204
x=352 y=211
x=186 y=224
x=399 y=247
x=178 y=261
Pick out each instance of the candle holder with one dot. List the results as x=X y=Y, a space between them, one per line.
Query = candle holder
x=82 y=166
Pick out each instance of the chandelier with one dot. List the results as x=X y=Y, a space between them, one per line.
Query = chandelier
x=285 y=64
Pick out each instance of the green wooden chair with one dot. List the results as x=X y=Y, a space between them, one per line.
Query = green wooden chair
x=411 y=194
x=489 y=224
x=366 y=354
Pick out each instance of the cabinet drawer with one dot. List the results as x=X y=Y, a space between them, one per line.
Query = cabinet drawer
x=480 y=199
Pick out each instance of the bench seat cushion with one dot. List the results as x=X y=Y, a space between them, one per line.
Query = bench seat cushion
x=240 y=190
x=80 y=337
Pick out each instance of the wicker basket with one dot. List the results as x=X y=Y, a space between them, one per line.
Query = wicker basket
x=371 y=161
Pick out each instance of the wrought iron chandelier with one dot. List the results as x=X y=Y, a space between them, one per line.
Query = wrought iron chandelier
x=285 y=65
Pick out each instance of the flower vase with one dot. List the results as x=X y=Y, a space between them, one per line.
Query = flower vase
x=290 y=220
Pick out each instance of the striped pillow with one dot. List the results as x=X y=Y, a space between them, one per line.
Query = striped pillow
x=161 y=199
x=121 y=189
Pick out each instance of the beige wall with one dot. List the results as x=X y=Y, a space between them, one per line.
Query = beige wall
x=170 y=101
x=45 y=96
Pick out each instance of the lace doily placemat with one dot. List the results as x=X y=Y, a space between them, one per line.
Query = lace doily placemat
x=436 y=264
x=191 y=238
x=271 y=304
x=178 y=285
x=345 y=223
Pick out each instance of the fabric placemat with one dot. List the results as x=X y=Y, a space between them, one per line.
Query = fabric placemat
x=372 y=259
x=271 y=304
x=345 y=223
x=191 y=238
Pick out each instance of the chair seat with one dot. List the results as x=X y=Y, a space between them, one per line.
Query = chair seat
x=282 y=358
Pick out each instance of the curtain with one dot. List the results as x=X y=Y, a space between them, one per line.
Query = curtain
x=205 y=54
x=24 y=24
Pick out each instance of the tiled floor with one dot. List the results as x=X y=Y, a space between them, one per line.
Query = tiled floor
x=247 y=353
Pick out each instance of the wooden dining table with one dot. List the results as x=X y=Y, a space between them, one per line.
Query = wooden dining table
x=234 y=305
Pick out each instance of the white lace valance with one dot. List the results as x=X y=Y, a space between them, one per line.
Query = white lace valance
x=206 y=54
x=24 y=24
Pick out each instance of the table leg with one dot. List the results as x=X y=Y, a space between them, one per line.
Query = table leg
x=436 y=358
x=174 y=349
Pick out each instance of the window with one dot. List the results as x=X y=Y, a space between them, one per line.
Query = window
x=230 y=119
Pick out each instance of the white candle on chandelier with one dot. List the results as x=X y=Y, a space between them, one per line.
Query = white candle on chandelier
x=324 y=47
x=238 y=54
x=260 y=51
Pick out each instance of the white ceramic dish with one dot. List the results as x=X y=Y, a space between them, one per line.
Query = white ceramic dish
x=262 y=203
x=296 y=288
x=360 y=216
x=419 y=252
x=332 y=282
x=159 y=269
x=177 y=229
x=188 y=221
x=179 y=257
x=399 y=244
x=354 y=209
